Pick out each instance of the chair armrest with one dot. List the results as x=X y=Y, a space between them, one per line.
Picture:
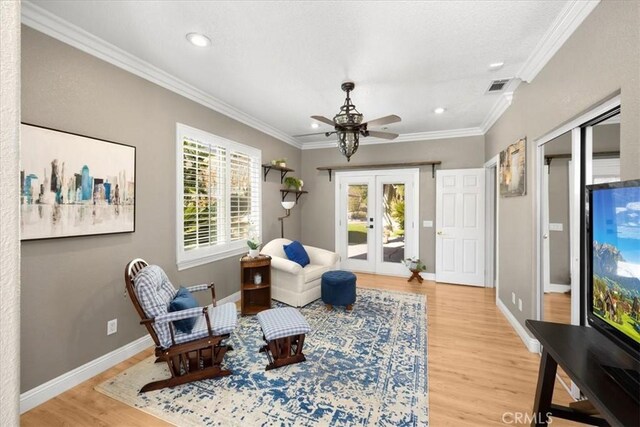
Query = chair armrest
x=286 y=265
x=321 y=256
x=197 y=288
x=181 y=314
x=204 y=287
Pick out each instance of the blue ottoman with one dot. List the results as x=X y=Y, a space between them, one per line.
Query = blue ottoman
x=338 y=288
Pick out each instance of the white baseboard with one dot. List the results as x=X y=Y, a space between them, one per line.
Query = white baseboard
x=560 y=289
x=428 y=276
x=532 y=344
x=40 y=394
x=231 y=298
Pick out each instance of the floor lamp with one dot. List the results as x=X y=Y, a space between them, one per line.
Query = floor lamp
x=287 y=206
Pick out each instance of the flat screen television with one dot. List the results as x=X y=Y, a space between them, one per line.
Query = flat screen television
x=613 y=269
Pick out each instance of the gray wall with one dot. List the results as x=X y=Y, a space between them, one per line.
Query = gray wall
x=559 y=268
x=72 y=287
x=319 y=210
x=598 y=60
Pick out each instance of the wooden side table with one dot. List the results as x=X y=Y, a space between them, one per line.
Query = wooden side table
x=415 y=274
x=255 y=297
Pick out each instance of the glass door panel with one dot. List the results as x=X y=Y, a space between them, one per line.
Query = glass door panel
x=393 y=222
x=357 y=221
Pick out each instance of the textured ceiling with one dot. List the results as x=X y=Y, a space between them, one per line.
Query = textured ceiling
x=281 y=62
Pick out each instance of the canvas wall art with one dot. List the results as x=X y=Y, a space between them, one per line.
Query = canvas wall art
x=74 y=185
x=513 y=169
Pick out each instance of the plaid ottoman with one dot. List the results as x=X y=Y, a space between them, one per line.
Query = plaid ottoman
x=283 y=330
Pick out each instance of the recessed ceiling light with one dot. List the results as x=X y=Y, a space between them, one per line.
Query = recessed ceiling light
x=439 y=110
x=315 y=125
x=199 y=40
x=496 y=65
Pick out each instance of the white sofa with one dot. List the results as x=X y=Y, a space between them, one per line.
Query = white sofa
x=292 y=284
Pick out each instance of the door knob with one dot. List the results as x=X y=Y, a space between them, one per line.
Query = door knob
x=371 y=226
x=545 y=236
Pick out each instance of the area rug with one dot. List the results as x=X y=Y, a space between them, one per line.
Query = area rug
x=364 y=367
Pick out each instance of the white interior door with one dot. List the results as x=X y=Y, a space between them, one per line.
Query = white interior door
x=460 y=226
x=376 y=217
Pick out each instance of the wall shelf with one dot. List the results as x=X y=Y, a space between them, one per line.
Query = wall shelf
x=433 y=165
x=298 y=193
x=266 y=168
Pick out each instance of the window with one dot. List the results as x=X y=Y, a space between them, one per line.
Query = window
x=218 y=197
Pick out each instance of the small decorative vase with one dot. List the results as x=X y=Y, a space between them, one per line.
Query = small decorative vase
x=257 y=279
x=282 y=164
x=253 y=253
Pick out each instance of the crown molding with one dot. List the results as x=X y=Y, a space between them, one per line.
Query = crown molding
x=407 y=137
x=562 y=28
x=53 y=26
x=498 y=109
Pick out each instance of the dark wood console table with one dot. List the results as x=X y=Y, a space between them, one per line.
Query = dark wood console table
x=581 y=351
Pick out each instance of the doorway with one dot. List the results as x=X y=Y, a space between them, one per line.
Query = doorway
x=376 y=218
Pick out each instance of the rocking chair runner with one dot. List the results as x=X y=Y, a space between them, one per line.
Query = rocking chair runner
x=190 y=357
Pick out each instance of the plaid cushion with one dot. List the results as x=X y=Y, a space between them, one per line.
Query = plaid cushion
x=282 y=322
x=223 y=321
x=155 y=292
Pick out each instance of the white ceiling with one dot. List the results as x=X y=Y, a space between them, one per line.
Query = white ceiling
x=274 y=64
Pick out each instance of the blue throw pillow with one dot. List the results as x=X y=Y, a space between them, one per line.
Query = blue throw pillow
x=296 y=253
x=182 y=301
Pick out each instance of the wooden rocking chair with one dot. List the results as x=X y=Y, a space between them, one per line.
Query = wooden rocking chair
x=190 y=357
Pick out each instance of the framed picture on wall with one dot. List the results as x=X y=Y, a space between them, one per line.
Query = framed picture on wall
x=513 y=169
x=74 y=185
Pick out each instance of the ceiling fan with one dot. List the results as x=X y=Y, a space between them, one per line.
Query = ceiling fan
x=349 y=127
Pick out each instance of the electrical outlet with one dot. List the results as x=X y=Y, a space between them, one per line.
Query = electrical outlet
x=513 y=297
x=520 y=304
x=112 y=326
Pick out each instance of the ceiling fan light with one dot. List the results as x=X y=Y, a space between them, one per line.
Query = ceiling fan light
x=348 y=143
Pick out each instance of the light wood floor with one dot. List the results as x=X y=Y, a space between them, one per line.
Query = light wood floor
x=478 y=367
x=557 y=307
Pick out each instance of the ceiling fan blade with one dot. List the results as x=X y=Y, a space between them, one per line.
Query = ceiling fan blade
x=386 y=120
x=315 y=133
x=385 y=135
x=323 y=120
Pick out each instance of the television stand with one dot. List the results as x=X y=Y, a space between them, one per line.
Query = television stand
x=582 y=352
x=627 y=379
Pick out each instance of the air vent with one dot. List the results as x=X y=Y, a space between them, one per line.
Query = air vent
x=497 y=85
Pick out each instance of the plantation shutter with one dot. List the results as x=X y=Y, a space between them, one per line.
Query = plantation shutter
x=244 y=172
x=204 y=202
x=218 y=197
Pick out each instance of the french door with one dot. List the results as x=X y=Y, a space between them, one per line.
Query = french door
x=376 y=219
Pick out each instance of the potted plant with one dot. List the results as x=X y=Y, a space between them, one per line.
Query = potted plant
x=293 y=182
x=414 y=264
x=254 y=247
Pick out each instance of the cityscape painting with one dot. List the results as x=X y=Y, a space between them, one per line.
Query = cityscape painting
x=73 y=185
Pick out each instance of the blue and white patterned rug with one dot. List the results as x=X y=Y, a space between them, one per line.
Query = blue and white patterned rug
x=365 y=367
